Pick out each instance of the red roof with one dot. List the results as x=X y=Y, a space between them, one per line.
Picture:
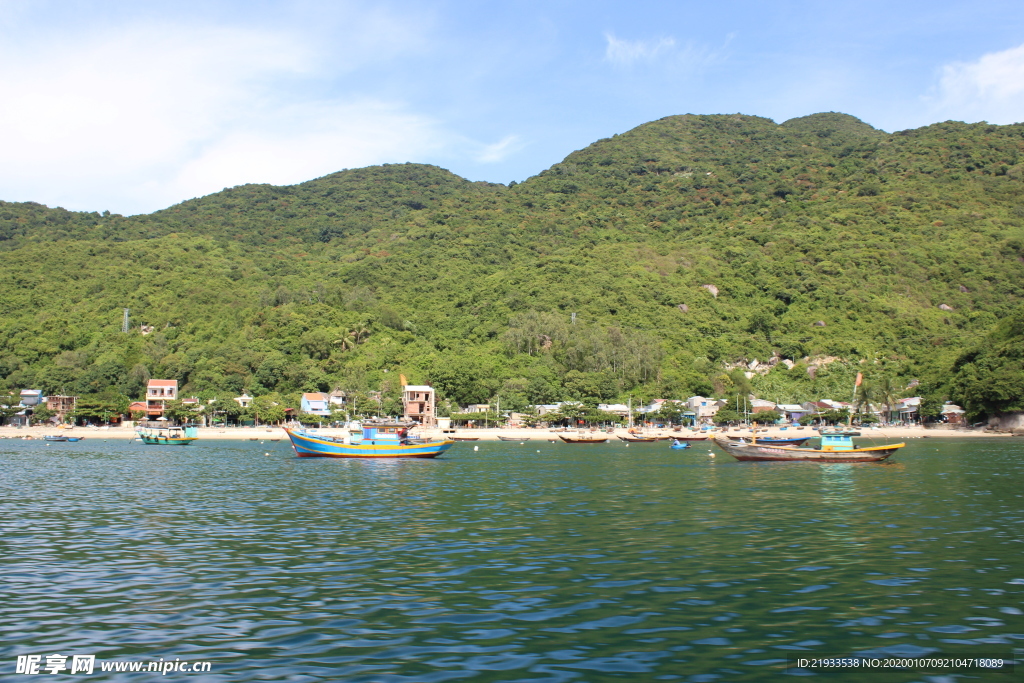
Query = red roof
x=163 y=382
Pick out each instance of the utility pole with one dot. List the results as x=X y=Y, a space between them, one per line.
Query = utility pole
x=124 y=324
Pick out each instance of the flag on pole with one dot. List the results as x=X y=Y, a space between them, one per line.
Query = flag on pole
x=860 y=379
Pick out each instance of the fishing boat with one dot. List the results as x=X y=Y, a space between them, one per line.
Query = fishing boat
x=691 y=437
x=465 y=438
x=679 y=445
x=374 y=441
x=834 y=448
x=583 y=438
x=633 y=438
x=513 y=438
x=54 y=437
x=167 y=436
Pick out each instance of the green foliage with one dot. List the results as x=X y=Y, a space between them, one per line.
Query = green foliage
x=681 y=246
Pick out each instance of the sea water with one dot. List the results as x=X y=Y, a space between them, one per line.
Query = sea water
x=514 y=562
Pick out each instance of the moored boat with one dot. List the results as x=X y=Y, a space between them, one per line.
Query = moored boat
x=632 y=438
x=583 y=438
x=373 y=442
x=167 y=436
x=54 y=437
x=834 y=449
x=783 y=441
x=513 y=438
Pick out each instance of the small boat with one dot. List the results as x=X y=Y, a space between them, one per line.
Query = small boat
x=633 y=438
x=54 y=437
x=465 y=438
x=75 y=438
x=834 y=448
x=167 y=436
x=583 y=438
x=691 y=437
x=373 y=442
x=513 y=438
x=679 y=445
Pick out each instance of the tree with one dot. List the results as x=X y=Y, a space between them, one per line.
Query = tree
x=41 y=414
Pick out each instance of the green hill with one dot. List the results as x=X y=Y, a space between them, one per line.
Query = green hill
x=683 y=247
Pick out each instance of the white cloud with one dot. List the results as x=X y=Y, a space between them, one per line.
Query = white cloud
x=990 y=88
x=138 y=118
x=628 y=52
x=500 y=150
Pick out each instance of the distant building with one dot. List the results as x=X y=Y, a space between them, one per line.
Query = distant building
x=160 y=392
x=315 y=403
x=30 y=398
x=619 y=409
x=477 y=408
x=758 y=405
x=791 y=411
x=703 y=409
x=62 y=405
x=952 y=413
x=418 y=404
x=908 y=408
x=337 y=398
x=245 y=400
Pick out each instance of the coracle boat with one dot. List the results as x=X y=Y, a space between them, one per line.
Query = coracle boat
x=582 y=438
x=834 y=448
x=167 y=436
x=373 y=442
x=679 y=445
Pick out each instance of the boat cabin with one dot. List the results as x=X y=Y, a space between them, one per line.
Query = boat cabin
x=836 y=442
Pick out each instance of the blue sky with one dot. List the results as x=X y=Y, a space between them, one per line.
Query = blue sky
x=134 y=106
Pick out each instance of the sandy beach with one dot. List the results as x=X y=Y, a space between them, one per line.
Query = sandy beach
x=539 y=434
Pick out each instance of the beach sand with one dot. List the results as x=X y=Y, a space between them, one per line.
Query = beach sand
x=539 y=435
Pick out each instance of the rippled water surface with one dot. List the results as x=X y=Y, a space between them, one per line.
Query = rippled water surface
x=533 y=562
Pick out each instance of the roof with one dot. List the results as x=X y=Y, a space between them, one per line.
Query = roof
x=417 y=387
x=791 y=407
x=315 y=396
x=163 y=382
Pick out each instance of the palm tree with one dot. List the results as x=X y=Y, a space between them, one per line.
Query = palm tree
x=863 y=398
x=887 y=394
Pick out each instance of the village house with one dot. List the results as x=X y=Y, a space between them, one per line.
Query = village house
x=62 y=405
x=315 y=403
x=418 y=404
x=160 y=392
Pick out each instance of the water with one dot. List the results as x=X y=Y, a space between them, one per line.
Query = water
x=574 y=563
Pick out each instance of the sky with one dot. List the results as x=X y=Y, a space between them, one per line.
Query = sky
x=135 y=106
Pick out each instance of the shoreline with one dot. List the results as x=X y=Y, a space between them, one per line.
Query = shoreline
x=491 y=434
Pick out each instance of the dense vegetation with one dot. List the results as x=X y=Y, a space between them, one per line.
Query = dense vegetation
x=648 y=264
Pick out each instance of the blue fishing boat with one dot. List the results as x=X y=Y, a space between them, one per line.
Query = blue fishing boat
x=782 y=441
x=679 y=445
x=371 y=442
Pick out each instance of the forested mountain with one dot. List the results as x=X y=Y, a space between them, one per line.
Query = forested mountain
x=683 y=247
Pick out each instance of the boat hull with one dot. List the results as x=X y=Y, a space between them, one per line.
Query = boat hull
x=166 y=441
x=570 y=439
x=308 y=446
x=760 y=453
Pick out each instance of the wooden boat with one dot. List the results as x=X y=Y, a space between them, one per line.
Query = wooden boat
x=583 y=438
x=54 y=437
x=691 y=437
x=632 y=438
x=373 y=442
x=784 y=441
x=514 y=438
x=834 y=448
x=167 y=436
x=465 y=438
